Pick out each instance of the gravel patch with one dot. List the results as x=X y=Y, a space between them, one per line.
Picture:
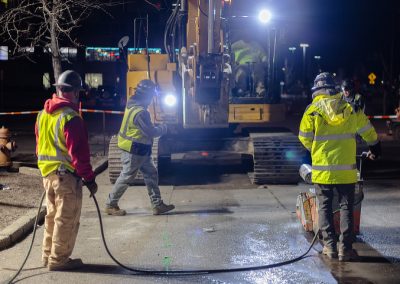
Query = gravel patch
x=23 y=194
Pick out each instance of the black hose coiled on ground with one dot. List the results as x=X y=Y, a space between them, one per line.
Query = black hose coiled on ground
x=199 y=271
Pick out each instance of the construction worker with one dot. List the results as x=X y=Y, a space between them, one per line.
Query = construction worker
x=135 y=139
x=64 y=160
x=251 y=60
x=350 y=96
x=327 y=131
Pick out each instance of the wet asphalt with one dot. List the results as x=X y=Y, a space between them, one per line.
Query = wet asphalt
x=226 y=223
x=221 y=221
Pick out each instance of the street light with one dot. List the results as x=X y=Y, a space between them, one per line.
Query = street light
x=304 y=46
x=265 y=16
x=292 y=49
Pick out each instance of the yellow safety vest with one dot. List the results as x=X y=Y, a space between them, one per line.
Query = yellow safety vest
x=52 y=150
x=248 y=52
x=129 y=132
x=328 y=130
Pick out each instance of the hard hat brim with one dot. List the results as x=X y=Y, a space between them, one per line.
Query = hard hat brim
x=68 y=85
x=313 y=89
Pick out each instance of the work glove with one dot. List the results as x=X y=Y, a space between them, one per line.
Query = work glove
x=92 y=186
x=375 y=151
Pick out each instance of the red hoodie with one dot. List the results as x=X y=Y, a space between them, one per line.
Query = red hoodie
x=76 y=138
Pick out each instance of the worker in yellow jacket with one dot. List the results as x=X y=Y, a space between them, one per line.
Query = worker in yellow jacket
x=328 y=130
x=251 y=62
x=135 y=139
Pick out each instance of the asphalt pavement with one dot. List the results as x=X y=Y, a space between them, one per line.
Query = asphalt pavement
x=215 y=227
x=223 y=222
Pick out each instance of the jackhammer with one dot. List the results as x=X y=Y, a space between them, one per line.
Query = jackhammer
x=307 y=203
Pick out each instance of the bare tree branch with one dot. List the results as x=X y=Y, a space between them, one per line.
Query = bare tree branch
x=44 y=23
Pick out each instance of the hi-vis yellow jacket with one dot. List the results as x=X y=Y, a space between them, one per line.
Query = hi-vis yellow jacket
x=328 y=129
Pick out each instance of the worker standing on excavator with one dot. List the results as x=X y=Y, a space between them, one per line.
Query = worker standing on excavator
x=135 y=139
x=250 y=58
x=328 y=130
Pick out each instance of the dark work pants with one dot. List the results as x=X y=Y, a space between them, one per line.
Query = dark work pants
x=325 y=194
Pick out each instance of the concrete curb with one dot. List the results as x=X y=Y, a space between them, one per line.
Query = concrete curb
x=17 y=230
x=29 y=171
x=21 y=227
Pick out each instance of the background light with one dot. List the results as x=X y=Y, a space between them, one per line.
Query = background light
x=264 y=16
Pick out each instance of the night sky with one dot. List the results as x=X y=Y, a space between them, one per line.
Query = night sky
x=347 y=34
x=351 y=35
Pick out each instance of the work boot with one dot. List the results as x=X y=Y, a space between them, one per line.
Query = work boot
x=330 y=252
x=162 y=208
x=115 y=211
x=45 y=261
x=71 y=264
x=347 y=254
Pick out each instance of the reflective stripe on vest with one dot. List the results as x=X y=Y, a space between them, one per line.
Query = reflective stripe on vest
x=334 y=167
x=244 y=55
x=306 y=134
x=334 y=137
x=365 y=128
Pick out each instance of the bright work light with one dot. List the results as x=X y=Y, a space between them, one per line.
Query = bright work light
x=264 y=16
x=170 y=100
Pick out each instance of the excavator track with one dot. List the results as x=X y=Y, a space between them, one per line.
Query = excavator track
x=114 y=161
x=277 y=158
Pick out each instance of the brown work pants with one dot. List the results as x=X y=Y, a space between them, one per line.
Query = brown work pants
x=64 y=204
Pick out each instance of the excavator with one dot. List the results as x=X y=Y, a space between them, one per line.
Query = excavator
x=210 y=120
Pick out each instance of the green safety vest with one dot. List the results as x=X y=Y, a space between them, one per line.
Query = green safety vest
x=248 y=52
x=51 y=150
x=129 y=132
x=328 y=130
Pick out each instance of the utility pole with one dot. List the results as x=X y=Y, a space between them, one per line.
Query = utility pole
x=304 y=46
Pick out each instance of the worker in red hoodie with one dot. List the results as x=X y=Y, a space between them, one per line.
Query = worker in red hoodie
x=64 y=160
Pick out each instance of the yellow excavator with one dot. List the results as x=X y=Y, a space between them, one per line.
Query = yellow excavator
x=209 y=120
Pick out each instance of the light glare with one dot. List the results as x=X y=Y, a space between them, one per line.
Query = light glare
x=170 y=100
x=264 y=16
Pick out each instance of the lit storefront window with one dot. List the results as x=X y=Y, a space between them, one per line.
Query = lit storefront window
x=143 y=50
x=46 y=81
x=68 y=53
x=3 y=52
x=26 y=49
x=110 y=54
